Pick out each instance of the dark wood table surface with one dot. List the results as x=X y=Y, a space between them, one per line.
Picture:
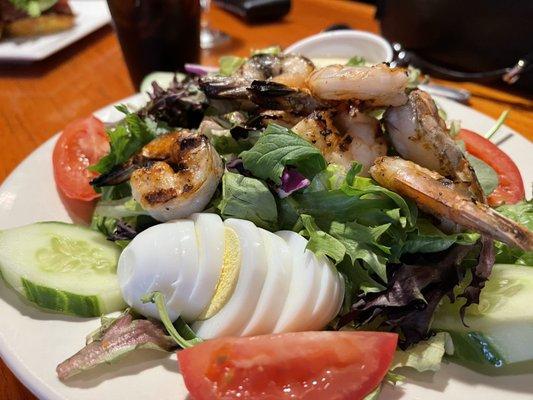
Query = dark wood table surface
x=37 y=100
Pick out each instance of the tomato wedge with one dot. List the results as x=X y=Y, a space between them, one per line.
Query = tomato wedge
x=81 y=144
x=303 y=365
x=511 y=187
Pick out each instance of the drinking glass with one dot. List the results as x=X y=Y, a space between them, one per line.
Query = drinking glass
x=210 y=37
x=157 y=35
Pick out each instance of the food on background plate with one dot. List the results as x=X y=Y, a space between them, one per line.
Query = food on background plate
x=20 y=18
x=309 y=198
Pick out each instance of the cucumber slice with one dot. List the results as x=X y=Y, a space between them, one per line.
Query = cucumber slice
x=163 y=79
x=62 y=267
x=500 y=328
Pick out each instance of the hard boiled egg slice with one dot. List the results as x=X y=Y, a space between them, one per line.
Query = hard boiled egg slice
x=210 y=239
x=155 y=260
x=328 y=294
x=303 y=289
x=276 y=287
x=185 y=251
x=236 y=313
x=229 y=274
x=338 y=294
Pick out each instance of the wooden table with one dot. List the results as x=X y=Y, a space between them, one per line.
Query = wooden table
x=37 y=100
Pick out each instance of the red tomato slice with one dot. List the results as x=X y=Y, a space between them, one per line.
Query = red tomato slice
x=81 y=144
x=304 y=365
x=511 y=187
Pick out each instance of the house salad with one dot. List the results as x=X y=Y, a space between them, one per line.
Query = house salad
x=293 y=231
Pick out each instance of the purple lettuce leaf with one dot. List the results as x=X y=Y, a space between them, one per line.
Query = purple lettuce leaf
x=182 y=104
x=291 y=181
x=116 y=338
x=480 y=274
x=411 y=297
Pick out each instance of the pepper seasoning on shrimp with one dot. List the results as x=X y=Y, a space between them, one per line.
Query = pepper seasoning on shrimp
x=173 y=176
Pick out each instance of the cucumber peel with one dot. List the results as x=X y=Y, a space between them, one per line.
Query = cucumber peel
x=62 y=267
x=499 y=330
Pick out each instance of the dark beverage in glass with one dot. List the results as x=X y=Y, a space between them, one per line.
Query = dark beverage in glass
x=157 y=35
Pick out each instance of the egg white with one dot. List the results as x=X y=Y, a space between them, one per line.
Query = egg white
x=151 y=262
x=327 y=298
x=184 y=249
x=276 y=287
x=236 y=313
x=210 y=239
x=303 y=289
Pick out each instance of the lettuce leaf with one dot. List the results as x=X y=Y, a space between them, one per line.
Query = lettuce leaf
x=356 y=61
x=116 y=338
x=272 y=50
x=424 y=356
x=411 y=297
x=125 y=139
x=488 y=178
x=279 y=147
x=427 y=238
x=322 y=243
x=33 y=8
x=229 y=64
x=248 y=198
x=522 y=213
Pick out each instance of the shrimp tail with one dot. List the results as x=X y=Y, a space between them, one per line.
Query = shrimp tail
x=224 y=87
x=119 y=174
x=277 y=96
x=439 y=196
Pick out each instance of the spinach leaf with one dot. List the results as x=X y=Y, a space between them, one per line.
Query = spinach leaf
x=248 y=198
x=488 y=178
x=125 y=139
x=427 y=238
x=279 y=147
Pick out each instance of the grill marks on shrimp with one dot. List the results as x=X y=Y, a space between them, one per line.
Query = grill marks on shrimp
x=177 y=175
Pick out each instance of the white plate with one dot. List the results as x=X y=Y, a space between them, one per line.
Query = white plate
x=90 y=16
x=33 y=342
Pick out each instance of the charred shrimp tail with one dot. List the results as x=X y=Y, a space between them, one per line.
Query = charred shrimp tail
x=224 y=87
x=439 y=196
x=277 y=96
x=119 y=174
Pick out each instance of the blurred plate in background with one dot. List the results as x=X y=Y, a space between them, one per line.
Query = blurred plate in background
x=90 y=16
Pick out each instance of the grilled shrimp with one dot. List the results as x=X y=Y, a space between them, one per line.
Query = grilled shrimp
x=344 y=136
x=288 y=69
x=438 y=195
x=173 y=176
x=283 y=118
x=419 y=134
x=377 y=85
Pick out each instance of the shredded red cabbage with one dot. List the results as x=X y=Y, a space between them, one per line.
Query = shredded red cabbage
x=199 y=70
x=291 y=181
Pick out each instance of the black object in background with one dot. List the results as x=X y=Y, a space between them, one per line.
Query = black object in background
x=464 y=40
x=157 y=35
x=256 y=10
